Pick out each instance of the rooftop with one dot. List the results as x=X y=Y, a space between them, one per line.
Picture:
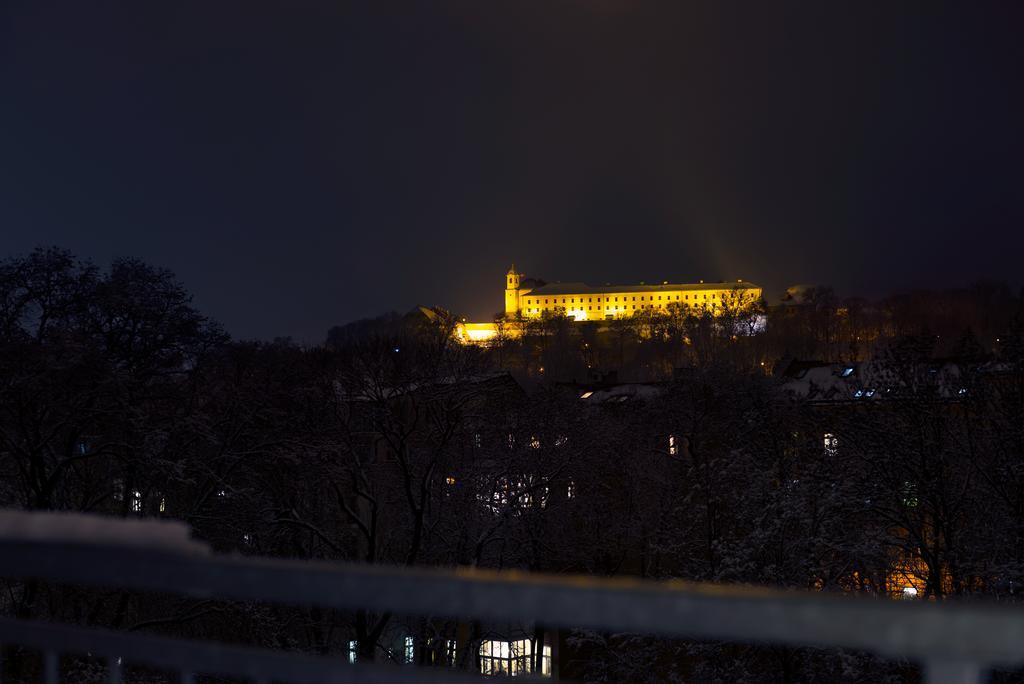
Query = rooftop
x=584 y=288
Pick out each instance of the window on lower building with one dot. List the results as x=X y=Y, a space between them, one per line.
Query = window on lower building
x=409 y=651
x=512 y=658
x=831 y=443
x=353 y=651
x=909 y=494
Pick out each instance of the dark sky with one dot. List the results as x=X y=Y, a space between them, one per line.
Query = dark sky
x=300 y=164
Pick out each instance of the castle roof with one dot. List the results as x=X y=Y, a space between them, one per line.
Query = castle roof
x=584 y=288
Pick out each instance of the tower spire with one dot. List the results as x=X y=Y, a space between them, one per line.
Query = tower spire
x=512 y=291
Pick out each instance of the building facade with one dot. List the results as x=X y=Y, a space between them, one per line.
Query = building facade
x=529 y=298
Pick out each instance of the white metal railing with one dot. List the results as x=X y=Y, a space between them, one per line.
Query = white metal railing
x=953 y=642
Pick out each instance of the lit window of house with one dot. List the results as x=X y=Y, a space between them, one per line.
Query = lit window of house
x=909 y=593
x=136 y=501
x=409 y=652
x=909 y=494
x=831 y=443
x=353 y=651
x=672 y=448
x=512 y=658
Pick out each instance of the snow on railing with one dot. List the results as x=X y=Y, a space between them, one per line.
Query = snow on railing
x=954 y=643
x=81 y=528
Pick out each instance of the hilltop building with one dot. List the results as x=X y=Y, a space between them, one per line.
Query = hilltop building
x=531 y=298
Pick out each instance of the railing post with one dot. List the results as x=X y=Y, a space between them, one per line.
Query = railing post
x=50 y=663
x=952 y=672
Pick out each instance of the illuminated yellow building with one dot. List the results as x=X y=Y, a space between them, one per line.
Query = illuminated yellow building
x=528 y=298
x=582 y=302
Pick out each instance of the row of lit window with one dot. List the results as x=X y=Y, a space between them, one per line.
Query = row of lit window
x=135 y=499
x=572 y=300
x=534 y=442
x=611 y=307
x=497 y=658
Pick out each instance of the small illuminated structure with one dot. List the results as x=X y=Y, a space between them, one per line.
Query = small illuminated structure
x=477 y=333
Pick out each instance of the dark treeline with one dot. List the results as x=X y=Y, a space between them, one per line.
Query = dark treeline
x=984 y=320
x=395 y=444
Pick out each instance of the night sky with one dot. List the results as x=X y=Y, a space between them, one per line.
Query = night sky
x=302 y=164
